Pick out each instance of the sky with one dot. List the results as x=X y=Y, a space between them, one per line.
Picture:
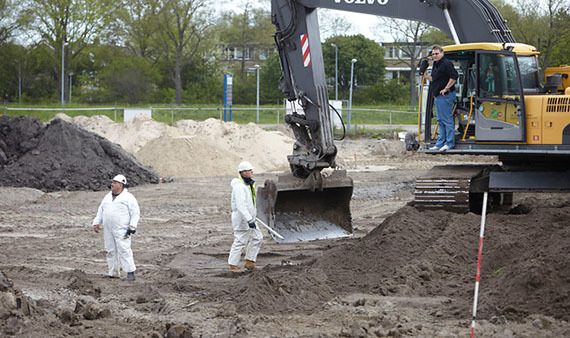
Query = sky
x=364 y=24
x=360 y=23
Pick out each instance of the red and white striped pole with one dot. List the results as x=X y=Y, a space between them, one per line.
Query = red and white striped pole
x=479 y=261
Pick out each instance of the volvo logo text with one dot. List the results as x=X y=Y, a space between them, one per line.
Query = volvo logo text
x=363 y=2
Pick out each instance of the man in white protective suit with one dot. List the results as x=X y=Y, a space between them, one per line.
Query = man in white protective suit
x=246 y=233
x=119 y=215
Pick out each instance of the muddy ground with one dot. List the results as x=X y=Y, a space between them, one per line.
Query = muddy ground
x=404 y=273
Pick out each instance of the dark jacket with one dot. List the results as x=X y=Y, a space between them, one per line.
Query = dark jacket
x=441 y=72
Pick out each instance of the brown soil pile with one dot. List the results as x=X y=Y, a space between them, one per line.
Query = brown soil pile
x=526 y=267
x=275 y=290
x=62 y=156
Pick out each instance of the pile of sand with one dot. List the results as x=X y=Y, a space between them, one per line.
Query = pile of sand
x=187 y=156
x=266 y=150
x=131 y=136
x=191 y=148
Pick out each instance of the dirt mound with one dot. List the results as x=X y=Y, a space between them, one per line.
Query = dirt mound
x=131 y=136
x=266 y=150
x=19 y=196
x=22 y=316
x=62 y=156
x=187 y=156
x=525 y=268
x=79 y=282
x=433 y=253
x=215 y=148
x=15 y=308
x=194 y=148
x=276 y=290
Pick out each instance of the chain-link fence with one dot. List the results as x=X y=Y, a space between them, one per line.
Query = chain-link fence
x=372 y=117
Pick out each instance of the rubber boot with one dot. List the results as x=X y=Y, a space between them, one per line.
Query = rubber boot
x=234 y=268
x=250 y=265
x=130 y=277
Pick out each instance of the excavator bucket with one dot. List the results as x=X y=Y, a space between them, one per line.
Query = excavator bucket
x=305 y=210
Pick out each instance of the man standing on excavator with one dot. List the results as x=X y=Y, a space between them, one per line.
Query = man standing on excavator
x=443 y=77
x=246 y=233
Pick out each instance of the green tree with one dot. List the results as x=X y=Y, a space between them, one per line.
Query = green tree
x=182 y=26
x=127 y=79
x=203 y=81
x=11 y=19
x=269 y=80
x=560 y=54
x=68 y=25
x=26 y=73
x=535 y=23
x=409 y=37
x=137 y=27
x=392 y=91
x=12 y=70
x=369 y=69
x=434 y=36
x=251 y=30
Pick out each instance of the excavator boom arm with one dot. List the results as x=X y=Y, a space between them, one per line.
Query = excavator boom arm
x=468 y=20
x=306 y=205
x=298 y=43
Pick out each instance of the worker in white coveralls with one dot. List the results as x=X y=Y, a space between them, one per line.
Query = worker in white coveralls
x=119 y=215
x=246 y=233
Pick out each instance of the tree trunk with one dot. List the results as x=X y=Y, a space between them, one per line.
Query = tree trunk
x=413 y=91
x=178 y=77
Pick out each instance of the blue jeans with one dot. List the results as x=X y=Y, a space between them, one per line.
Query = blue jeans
x=444 y=106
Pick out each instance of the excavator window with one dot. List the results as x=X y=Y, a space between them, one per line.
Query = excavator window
x=498 y=76
x=499 y=87
x=530 y=74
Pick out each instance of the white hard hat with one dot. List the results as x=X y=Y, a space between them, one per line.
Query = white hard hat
x=244 y=165
x=121 y=179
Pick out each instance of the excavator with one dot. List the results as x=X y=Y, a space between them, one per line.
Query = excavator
x=559 y=76
x=502 y=109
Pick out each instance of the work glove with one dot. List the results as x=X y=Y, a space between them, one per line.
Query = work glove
x=130 y=232
x=96 y=228
x=251 y=224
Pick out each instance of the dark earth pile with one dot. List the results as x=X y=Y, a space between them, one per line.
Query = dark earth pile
x=526 y=266
x=62 y=156
x=275 y=290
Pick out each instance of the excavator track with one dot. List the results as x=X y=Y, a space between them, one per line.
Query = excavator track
x=446 y=187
